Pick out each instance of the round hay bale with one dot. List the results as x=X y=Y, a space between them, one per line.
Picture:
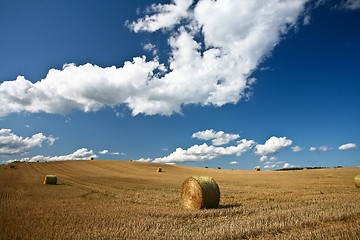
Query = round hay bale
x=257 y=169
x=159 y=169
x=50 y=179
x=200 y=192
x=357 y=180
x=92 y=158
x=12 y=165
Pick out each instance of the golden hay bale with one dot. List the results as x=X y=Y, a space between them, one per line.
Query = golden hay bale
x=199 y=192
x=257 y=169
x=50 y=179
x=357 y=180
x=159 y=169
x=304 y=168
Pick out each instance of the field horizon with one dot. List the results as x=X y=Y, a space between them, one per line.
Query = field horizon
x=109 y=199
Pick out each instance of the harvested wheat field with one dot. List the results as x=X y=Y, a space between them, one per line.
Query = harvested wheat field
x=129 y=200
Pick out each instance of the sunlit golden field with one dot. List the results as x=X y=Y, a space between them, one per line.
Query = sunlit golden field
x=131 y=200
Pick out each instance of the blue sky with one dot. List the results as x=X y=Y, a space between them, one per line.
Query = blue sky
x=230 y=84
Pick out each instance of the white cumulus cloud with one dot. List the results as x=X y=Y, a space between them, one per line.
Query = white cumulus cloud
x=271 y=166
x=11 y=144
x=272 y=145
x=347 y=146
x=143 y=160
x=204 y=152
x=237 y=37
x=263 y=158
x=312 y=149
x=233 y=162
x=288 y=165
x=218 y=138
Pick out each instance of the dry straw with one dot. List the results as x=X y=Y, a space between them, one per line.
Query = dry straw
x=257 y=169
x=50 y=179
x=159 y=169
x=199 y=192
x=357 y=180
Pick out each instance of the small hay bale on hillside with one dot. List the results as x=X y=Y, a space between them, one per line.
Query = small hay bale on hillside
x=218 y=168
x=92 y=158
x=50 y=179
x=199 y=192
x=257 y=169
x=304 y=168
x=357 y=180
x=159 y=169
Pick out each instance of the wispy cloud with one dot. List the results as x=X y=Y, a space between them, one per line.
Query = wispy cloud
x=325 y=148
x=297 y=149
x=104 y=151
x=349 y=4
x=272 y=145
x=118 y=153
x=11 y=144
x=80 y=154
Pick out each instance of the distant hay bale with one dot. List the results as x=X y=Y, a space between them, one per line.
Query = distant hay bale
x=357 y=180
x=130 y=160
x=12 y=165
x=92 y=158
x=159 y=169
x=199 y=192
x=304 y=168
x=257 y=169
x=50 y=179
x=218 y=168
